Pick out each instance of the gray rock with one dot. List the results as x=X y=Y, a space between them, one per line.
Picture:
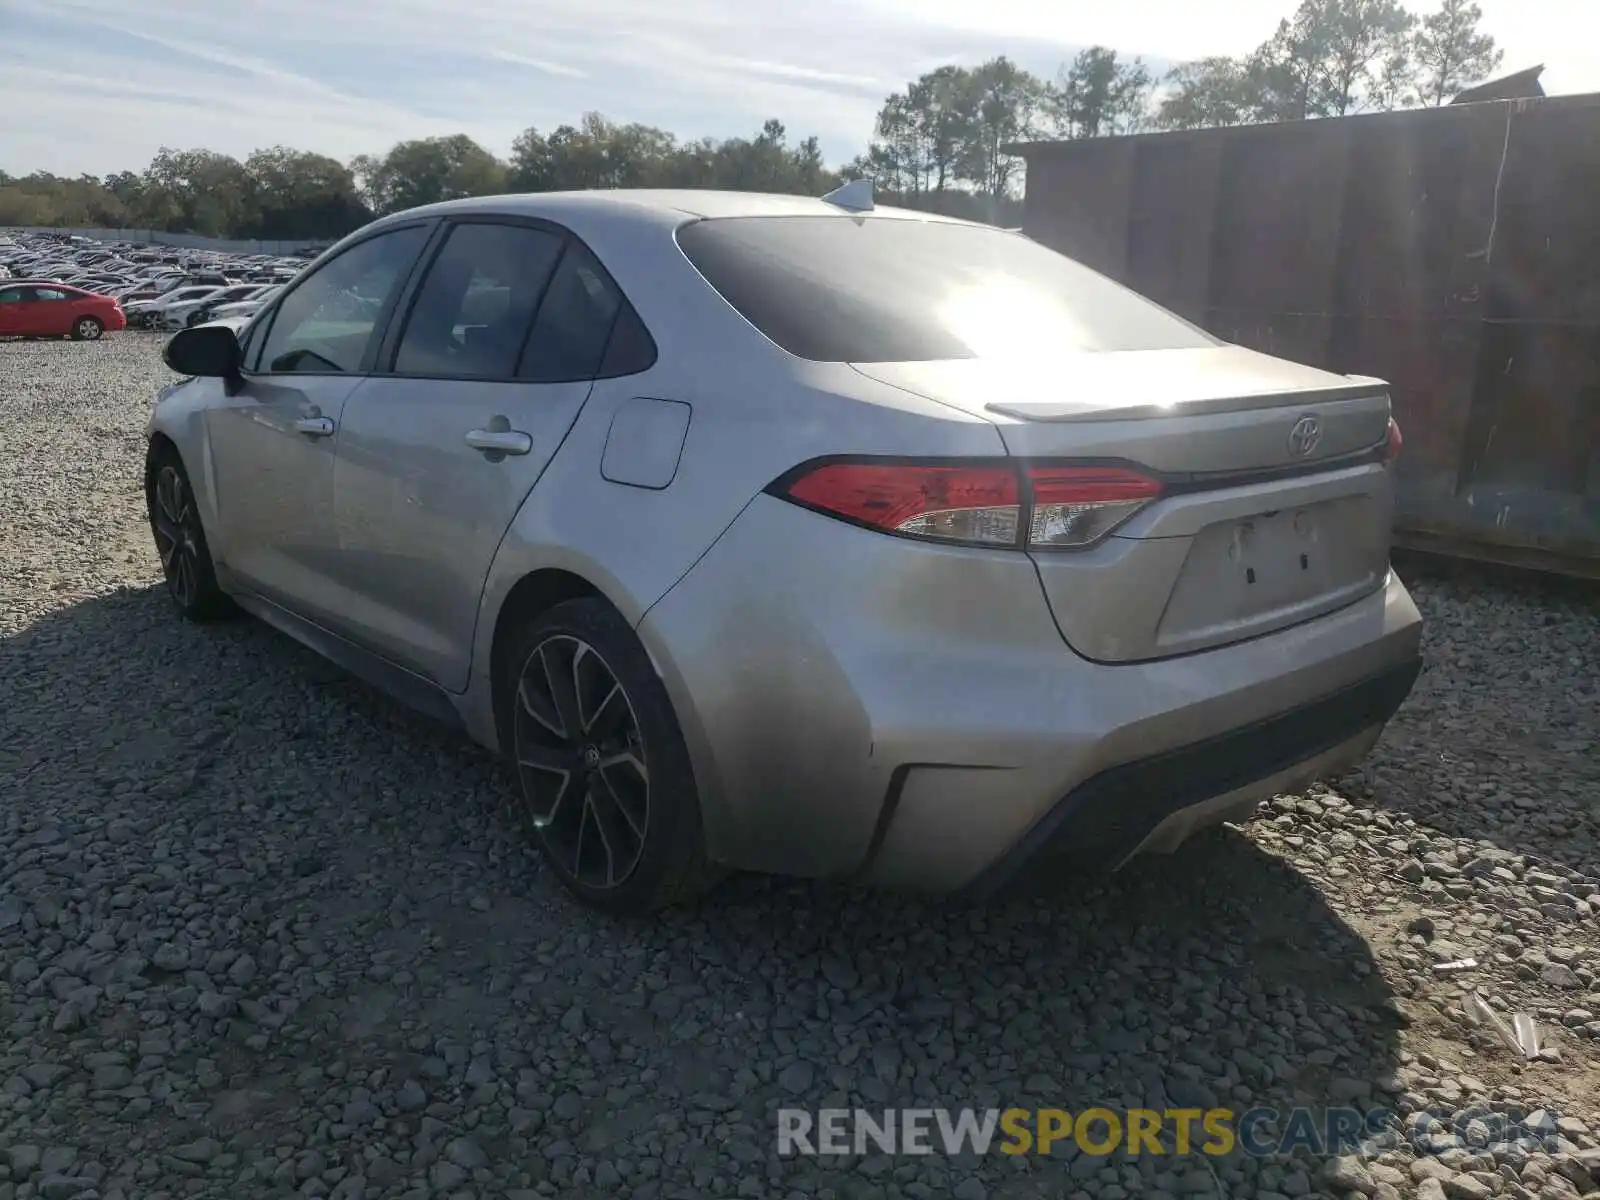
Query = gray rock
x=466 y=1153
x=1347 y=1173
x=43 y=1074
x=1557 y=975
x=57 y=1160
x=201 y=1150
x=64 y=1187
x=1465 y=1187
x=23 y=1160
x=170 y=956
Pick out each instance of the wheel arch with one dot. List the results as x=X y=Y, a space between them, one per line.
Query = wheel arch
x=541 y=589
x=534 y=593
x=157 y=447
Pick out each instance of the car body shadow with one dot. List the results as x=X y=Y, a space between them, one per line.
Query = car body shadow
x=1217 y=977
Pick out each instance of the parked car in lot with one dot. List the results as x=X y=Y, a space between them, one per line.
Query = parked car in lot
x=176 y=316
x=151 y=314
x=131 y=272
x=199 y=312
x=56 y=310
x=797 y=535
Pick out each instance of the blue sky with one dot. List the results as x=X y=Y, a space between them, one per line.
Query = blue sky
x=100 y=85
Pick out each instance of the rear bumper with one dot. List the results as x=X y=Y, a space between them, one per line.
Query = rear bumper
x=908 y=714
x=1154 y=803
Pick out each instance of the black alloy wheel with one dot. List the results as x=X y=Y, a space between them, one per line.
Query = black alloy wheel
x=582 y=762
x=181 y=545
x=605 y=785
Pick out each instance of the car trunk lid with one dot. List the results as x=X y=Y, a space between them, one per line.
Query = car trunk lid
x=1276 y=505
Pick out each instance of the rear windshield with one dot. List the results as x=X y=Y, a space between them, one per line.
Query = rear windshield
x=837 y=289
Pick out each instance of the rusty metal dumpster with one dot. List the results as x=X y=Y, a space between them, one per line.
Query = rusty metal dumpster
x=1453 y=251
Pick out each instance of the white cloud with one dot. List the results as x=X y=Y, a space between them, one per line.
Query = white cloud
x=96 y=85
x=540 y=64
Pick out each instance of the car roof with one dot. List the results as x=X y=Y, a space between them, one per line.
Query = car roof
x=685 y=203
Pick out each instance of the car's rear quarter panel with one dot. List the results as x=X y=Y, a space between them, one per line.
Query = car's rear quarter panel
x=755 y=413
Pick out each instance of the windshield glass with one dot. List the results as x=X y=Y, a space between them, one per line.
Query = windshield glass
x=885 y=289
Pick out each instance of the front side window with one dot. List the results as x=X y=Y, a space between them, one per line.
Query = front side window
x=13 y=295
x=325 y=326
x=477 y=302
x=886 y=289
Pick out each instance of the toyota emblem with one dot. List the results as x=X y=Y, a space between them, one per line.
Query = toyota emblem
x=1305 y=435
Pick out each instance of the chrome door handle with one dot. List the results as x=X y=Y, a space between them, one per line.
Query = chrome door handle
x=314 y=426
x=500 y=441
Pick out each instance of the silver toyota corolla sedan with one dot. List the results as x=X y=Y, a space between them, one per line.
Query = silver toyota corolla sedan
x=796 y=535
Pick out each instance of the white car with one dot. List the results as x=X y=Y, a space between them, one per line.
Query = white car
x=149 y=313
x=177 y=316
x=243 y=308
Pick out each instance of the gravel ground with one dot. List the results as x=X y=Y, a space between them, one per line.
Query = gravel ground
x=264 y=933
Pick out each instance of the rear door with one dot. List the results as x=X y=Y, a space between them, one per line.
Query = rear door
x=495 y=360
x=51 y=313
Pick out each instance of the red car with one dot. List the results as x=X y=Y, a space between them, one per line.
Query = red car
x=56 y=310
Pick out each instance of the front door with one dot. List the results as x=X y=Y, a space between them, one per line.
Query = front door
x=273 y=442
x=438 y=453
x=13 y=303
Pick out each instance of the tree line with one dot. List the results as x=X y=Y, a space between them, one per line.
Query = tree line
x=940 y=143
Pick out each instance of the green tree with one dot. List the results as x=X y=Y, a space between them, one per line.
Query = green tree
x=45 y=199
x=1329 y=59
x=942 y=109
x=595 y=153
x=297 y=194
x=1366 y=40
x=897 y=155
x=1099 y=94
x=1449 y=54
x=198 y=191
x=1209 y=92
x=428 y=170
x=1007 y=105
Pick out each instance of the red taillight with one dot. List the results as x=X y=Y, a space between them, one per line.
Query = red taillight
x=1062 y=507
x=949 y=503
x=1393 y=446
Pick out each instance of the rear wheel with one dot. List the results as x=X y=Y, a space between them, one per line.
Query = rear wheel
x=181 y=543
x=87 y=329
x=605 y=786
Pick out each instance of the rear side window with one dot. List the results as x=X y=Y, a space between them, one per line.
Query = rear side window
x=847 y=289
x=631 y=348
x=569 y=337
x=474 y=309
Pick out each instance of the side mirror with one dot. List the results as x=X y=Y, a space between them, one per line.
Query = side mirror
x=204 y=350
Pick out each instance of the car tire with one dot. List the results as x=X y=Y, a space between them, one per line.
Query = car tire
x=87 y=329
x=181 y=541
x=604 y=785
